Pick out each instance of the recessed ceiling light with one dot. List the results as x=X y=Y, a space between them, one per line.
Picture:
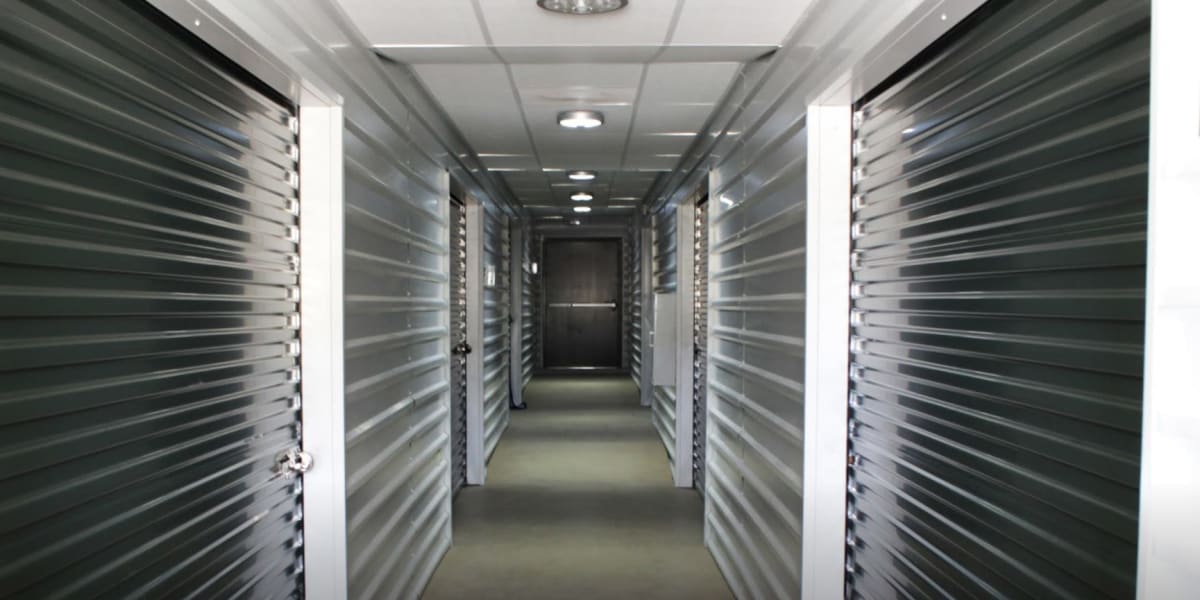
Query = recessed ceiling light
x=582 y=7
x=581 y=197
x=582 y=175
x=575 y=222
x=582 y=209
x=580 y=119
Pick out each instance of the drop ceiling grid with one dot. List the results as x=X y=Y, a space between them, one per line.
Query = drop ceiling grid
x=503 y=71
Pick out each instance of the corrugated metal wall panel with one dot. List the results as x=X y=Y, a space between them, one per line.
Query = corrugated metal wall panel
x=539 y=361
x=529 y=312
x=497 y=252
x=997 y=345
x=700 y=347
x=148 y=349
x=634 y=271
x=755 y=360
x=627 y=260
x=662 y=406
x=397 y=384
x=665 y=242
x=458 y=337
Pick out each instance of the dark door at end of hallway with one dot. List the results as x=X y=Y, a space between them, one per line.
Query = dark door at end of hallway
x=583 y=290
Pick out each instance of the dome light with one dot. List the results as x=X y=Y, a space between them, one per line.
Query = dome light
x=581 y=175
x=580 y=119
x=582 y=209
x=582 y=7
x=581 y=197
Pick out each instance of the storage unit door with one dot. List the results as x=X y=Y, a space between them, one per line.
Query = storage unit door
x=666 y=280
x=700 y=346
x=497 y=252
x=998 y=283
x=148 y=313
x=529 y=311
x=458 y=343
x=634 y=263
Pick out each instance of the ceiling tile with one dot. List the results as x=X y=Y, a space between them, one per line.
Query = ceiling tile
x=444 y=22
x=720 y=22
x=479 y=99
x=522 y=23
x=577 y=85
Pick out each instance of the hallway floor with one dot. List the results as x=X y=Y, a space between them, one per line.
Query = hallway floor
x=578 y=504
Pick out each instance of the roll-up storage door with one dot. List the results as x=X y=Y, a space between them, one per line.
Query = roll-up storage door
x=627 y=260
x=458 y=342
x=666 y=280
x=634 y=262
x=497 y=252
x=754 y=481
x=148 y=313
x=998 y=282
x=700 y=345
x=528 y=331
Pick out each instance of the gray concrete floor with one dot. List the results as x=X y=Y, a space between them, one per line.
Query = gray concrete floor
x=578 y=504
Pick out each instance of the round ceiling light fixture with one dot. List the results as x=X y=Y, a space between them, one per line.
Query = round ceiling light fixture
x=581 y=175
x=582 y=209
x=581 y=197
x=580 y=119
x=582 y=7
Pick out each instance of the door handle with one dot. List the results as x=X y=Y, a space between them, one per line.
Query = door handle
x=613 y=304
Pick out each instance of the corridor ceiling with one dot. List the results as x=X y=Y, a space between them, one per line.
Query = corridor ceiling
x=504 y=69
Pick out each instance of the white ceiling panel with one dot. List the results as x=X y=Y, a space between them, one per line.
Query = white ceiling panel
x=577 y=85
x=441 y=22
x=522 y=23
x=687 y=82
x=721 y=22
x=480 y=101
x=649 y=144
x=656 y=69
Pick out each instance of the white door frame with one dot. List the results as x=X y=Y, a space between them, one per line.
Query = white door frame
x=476 y=452
x=646 y=384
x=1168 y=548
x=516 y=334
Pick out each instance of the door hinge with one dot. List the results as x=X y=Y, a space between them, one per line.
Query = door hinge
x=293 y=462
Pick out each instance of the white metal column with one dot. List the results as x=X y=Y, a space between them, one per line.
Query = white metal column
x=826 y=351
x=1168 y=549
x=647 y=258
x=685 y=232
x=516 y=284
x=476 y=453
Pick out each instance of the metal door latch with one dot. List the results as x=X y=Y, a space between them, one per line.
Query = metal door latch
x=293 y=462
x=462 y=349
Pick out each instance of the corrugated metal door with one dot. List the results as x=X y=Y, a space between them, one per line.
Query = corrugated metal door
x=528 y=303
x=662 y=407
x=635 y=303
x=998 y=283
x=627 y=260
x=757 y=243
x=497 y=252
x=458 y=342
x=700 y=345
x=148 y=324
